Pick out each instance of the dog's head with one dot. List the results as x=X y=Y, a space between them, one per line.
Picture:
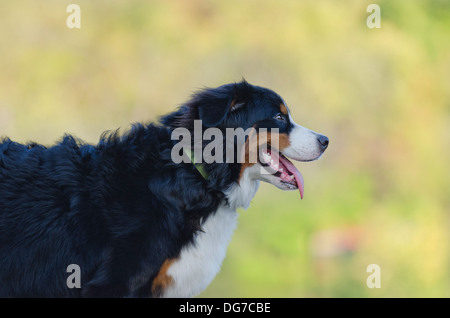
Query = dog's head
x=271 y=135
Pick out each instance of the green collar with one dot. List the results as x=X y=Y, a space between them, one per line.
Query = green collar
x=198 y=166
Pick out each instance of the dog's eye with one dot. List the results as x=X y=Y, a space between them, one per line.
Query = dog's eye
x=280 y=117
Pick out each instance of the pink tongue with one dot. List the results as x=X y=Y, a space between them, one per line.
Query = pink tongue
x=298 y=176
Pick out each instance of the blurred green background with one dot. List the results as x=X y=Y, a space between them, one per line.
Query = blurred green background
x=380 y=194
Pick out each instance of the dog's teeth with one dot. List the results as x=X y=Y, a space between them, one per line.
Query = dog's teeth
x=292 y=177
x=281 y=170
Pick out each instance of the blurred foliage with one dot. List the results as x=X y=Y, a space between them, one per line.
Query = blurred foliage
x=380 y=194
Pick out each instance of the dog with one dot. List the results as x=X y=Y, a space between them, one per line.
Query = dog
x=133 y=222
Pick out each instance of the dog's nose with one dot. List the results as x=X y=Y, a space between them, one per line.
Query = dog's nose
x=323 y=141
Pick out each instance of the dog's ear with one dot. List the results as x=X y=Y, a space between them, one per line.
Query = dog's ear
x=213 y=107
x=215 y=104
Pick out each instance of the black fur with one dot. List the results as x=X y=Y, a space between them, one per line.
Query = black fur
x=118 y=209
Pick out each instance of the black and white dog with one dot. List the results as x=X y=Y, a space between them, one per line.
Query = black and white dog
x=135 y=222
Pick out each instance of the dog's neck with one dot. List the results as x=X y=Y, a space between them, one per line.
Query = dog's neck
x=239 y=195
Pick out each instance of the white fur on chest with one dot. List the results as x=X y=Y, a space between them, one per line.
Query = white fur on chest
x=200 y=262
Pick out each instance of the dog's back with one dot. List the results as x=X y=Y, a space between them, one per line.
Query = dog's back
x=115 y=210
x=41 y=230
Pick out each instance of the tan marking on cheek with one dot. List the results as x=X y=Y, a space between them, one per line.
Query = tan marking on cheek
x=283 y=109
x=249 y=155
x=251 y=149
x=277 y=140
x=162 y=280
x=284 y=142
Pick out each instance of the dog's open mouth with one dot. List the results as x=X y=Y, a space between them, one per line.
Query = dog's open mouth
x=282 y=168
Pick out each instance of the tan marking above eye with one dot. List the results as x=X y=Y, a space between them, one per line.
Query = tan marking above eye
x=283 y=109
